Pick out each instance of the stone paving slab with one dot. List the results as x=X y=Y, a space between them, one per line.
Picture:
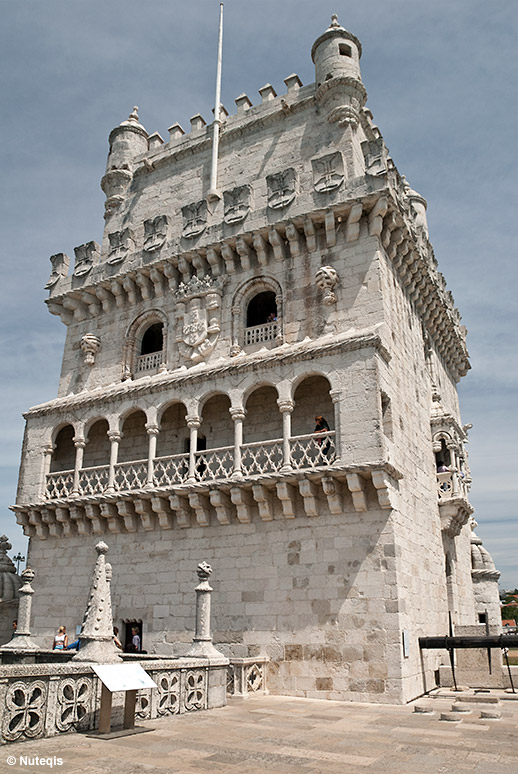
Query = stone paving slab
x=283 y=735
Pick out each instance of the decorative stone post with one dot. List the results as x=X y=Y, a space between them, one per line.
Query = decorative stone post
x=286 y=407
x=238 y=415
x=48 y=451
x=22 y=637
x=96 y=635
x=80 y=444
x=336 y=396
x=193 y=423
x=202 y=646
x=115 y=439
x=152 y=431
x=235 y=349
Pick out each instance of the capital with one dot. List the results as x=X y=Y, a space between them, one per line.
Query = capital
x=79 y=443
x=114 y=437
x=285 y=406
x=193 y=421
x=335 y=395
x=237 y=413
x=152 y=429
x=48 y=449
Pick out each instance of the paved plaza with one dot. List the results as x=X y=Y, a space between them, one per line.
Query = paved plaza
x=280 y=734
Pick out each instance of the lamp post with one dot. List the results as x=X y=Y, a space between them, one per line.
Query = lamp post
x=18 y=558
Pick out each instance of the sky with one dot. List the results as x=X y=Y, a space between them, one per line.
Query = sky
x=441 y=78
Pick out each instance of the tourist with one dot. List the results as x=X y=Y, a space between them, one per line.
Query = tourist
x=15 y=626
x=60 y=639
x=321 y=426
x=135 y=640
x=116 y=640
x=441 y=467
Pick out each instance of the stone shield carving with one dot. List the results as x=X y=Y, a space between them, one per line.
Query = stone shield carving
x=281 y=189
x=328 y=172
x=60 y=263
x=198 y=308
x=236 y=204
x=194 y=219
x=121 y=243
x=155 y=233
x=86 y=256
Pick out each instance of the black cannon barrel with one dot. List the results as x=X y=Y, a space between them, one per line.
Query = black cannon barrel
x=487 y=641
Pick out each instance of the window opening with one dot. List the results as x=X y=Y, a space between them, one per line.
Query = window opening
x=345 y=50
x=152 y=340
x=261 y=309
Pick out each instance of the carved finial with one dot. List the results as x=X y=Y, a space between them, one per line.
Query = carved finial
x=5 y=545
x=133 y=116
x=101 y=547
x=204 y=571
x=334 y=21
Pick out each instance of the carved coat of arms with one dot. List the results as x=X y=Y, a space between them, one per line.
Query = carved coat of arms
x=194 y=219
x=328 y=172
x=86 y=256
x=236 y=204
x=155 y=233
x=198 y=310
x=281 y=189
x=120 y=244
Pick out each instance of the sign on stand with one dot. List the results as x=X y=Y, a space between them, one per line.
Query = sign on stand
x=128 y=678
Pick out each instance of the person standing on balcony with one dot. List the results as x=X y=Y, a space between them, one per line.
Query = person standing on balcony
x=60 y=639
x=441 y=467
x=321 y=426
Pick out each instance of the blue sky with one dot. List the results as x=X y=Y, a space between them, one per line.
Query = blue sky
x=441 y=78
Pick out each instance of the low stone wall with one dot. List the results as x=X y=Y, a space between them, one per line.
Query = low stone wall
x=41 y=700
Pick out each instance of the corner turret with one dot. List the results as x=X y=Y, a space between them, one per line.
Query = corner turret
x=127 y=141
x=339 y=88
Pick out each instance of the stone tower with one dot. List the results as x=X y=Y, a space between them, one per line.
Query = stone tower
x=204 y=336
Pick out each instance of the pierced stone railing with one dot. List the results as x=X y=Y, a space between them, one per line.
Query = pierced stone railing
x=310 y=451
x=213 y=464
x=59 y=484
x=259 y=333
x=149 y=362
x=130 y=475
x=451 y=484
x=246 y=676
x=261 y=457
x=170 y=470
x=93 y=480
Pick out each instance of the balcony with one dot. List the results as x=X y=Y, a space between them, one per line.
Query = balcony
x=306 y=452
x=148 y=362
x=259 y=334
x=454 y=507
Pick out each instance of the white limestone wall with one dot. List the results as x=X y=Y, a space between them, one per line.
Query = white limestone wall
x=315 y=595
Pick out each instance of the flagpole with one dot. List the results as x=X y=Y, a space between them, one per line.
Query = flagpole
x=213 y=189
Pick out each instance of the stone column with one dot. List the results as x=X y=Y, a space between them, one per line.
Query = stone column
x=80 y=444
x=193 y=423
x=45 y=468
x=152 y=431
x=235 y=349
x=238 y=415
x=202 y=646
x=286 y=407
x=22 y=637
x=336 y=396
x=115 y=439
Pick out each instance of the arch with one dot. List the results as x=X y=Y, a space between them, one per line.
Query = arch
x=305 y=374
x=134 y=438
x=64 y=454
x=174 y=432
x=97 y=449
x=268 y=293
x=251 y=385
x=263 y=420
x=311 y=398
x=139 y=337
x=216 y=426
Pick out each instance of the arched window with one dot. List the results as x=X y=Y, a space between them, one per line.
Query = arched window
x=145 y=348
x=152 y=340
x=261 y=318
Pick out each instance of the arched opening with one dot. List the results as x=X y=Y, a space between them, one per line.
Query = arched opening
x=216 y=432
x=261 y=309
x=134 y=440
x=97 y=449
x=442 y=457
x=263 y=419
x=64 y=455
x=312 y=399
x=153 y=339
x=173 y=431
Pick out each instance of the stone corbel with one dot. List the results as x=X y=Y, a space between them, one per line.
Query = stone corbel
x=145 y=512
x=201 y=507
x=48 y=517
x=277 y=242
x=356 y=486
x=383 y=484
x=330 y=228
x=78 y=516
x=455 y=515
x=160 y=506
x=229 y=257
x=261 y=249
x=244 y=252
x=242 y=501
x=67 y=525
x=221 y=502
x=93 y=514
x=286 y=494
x=331 y=491
x=293 y=237
x=310 y=234
x=309 y=492
x=352 y=226
x=376 y=216
x=180 y=505
x=110 y=513
x=127 y=514
x=263 y=498
x=214 y=261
